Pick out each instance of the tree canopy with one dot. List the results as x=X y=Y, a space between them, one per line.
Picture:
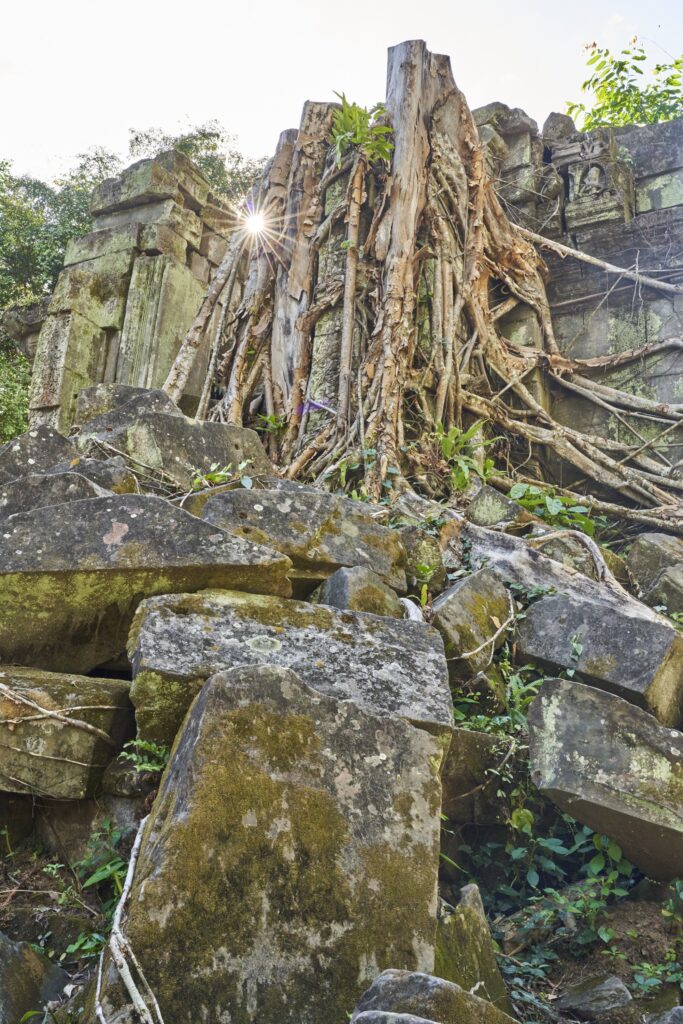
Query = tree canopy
x=626 y=90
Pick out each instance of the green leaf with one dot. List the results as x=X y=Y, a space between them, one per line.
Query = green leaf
x=532 y=877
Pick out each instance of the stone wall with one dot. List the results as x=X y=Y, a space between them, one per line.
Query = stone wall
x=618 y=195
x=130 y=289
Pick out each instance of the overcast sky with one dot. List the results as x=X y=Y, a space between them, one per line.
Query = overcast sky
x=79 y=73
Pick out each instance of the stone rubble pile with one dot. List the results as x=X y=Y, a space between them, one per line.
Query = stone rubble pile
x=288 y=868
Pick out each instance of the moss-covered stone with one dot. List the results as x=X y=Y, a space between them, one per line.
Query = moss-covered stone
x=42 y=754
x=37 y=490
x=292 y=853
x=392 y=667
x=614 y=768
x=174 y=445
x=72 y=575
x=470 y=778
x=320 y=532
x=34 y=452
x=639 y=658
x=358 y=590
x=470 y=617
x=424 y=996
x=424 y=561
x=465 y=952
x=27 y=980
x=650 y=555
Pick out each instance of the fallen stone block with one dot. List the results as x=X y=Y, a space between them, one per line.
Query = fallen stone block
x=640 y=659
x=591 y=999
x=614 y=768
x=110 y=474
x=38 y=490
x=391 y=667
x=424 y=561
x=358 y=590
x=27 y=980
x=464 y=949
x=667 y=592
x=320 y=532
x=260 y=481
x=471 y=617
x=173 y=445
x=59 y=732
x=424 y=996
x=492 y=509
x=104 y=398
x=318 y=822
x=72 y=575
x=650 y=554
x=36 y=451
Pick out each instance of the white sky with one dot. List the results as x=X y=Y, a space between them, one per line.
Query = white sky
x=79 y=73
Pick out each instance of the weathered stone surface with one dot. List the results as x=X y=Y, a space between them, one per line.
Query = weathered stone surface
x=465 y=952
x=110 y=474
x=143 y=182
x=165 y=214
x=469 y=778
x=320 y=532
x=318 y=821
x=358 y=590
x=72 y=575
x=100 y=243
x=40 y=753
x=23 y=323
x=176 y=642
x=174 y=444
x=27 y=980
x=422 y=995
x=592 y=998
x=612 y=766
x=674 y=1016
x=95 y=289
x=469 y=616
x=34 y=452
x=667 y=592
x=261 y=481
x=650 y=555
x=570 y=551
x=36 y=490
x=637 y=658
x=163 y=300
x=491 y=508
x=424 y=562
x=104 y=398
x=71 y=353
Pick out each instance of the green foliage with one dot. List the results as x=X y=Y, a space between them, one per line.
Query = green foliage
x=145 y=755
x=217 y=475
x=230 y=173
x=14 y=382
x=620 y=94
x=271 y=424
x=521 y=686
x=556 y=509
x=647 y=978
x=38 y=219
x=362 y=129
x=103 y=870
x=459 y=449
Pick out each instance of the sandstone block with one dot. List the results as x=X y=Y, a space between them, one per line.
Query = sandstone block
x=612 y=766
x=72 y=575
x=101 y=243
x=34 y=452
x=404 y=992
x=175 y=445
x=424 y=562
x=100 y=399
x=650 y=555
x=143 y=182
x=358 y=590
x=637 y=658
x=391 y=667
x=27 y=980
x=469 y=616
x=38 y=490
x=71 y=353
x=96 y=289
x=320 y=532
x=40 y=751
x=469 y=781
x=668 y=590
x=166 y=215
x=319 y=824
x=591 y=999
x=111 y=474
x=464 y=949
